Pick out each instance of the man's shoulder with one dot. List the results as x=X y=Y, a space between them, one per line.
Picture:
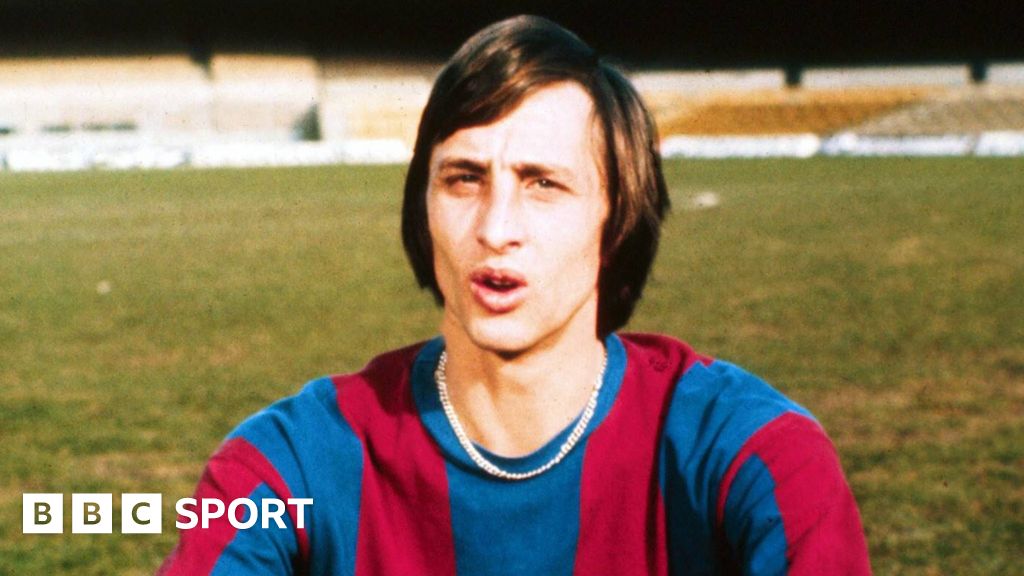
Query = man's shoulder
x=705 y=387
x=661 y=354
x=716 y=410
x=719 y=399
x=289 y=430
x=719 y=412
x=295 y=435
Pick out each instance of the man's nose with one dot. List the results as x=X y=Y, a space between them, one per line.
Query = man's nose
x=501 y=225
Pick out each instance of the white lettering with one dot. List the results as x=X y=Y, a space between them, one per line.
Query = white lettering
x=275 y=514
x=212 y=508
x=300 y=513
x=233 y=509
x=180 y=507
x=242 y=513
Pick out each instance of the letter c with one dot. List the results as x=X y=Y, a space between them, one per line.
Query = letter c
x=135 y=514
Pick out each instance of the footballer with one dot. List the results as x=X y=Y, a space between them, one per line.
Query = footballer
x=530 y=436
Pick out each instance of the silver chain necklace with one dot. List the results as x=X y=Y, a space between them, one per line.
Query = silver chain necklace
x=440 y=375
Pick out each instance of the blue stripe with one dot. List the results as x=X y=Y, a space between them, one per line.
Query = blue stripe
x=753 y=522
x=714 y=411
x=255 y=550
x=319 y=456
x=528 y=527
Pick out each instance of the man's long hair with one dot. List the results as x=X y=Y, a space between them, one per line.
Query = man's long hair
x=486 y=79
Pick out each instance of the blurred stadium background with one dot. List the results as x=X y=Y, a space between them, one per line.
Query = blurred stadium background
x=104 y=84
x=144 y=313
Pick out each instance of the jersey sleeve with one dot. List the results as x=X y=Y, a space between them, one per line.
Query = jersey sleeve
x=785 y=507
x=239 y=470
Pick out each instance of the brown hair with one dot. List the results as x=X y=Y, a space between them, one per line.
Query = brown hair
x=487 y=78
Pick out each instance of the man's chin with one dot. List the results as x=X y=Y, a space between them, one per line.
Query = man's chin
x=502 y=336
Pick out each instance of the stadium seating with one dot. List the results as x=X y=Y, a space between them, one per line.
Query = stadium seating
x=246 y=109
x=892 y=102
x=785 y=111
x=374 y=100
x=108 y=94
x=955 y=112
x=263 y=96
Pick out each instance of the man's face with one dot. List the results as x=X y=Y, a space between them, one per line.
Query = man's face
x=516 y=209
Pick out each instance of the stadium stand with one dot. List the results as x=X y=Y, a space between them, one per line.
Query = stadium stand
x=869 y=111
x=784 y=111
x=678 y=93
x=887 y=76
x=262 y=96
x=374 y=100
x=1006 y=74
x=110 y=94
x=970 y=111
x=246 y=110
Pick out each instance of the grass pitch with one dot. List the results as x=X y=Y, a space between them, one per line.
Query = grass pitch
x=144 y=314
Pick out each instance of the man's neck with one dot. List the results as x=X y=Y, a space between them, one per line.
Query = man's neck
x=514 y=404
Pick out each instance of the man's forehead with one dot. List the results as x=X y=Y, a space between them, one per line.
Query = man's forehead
x=553 y=125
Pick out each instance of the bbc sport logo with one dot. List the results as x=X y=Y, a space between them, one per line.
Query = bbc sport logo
x=142 y=513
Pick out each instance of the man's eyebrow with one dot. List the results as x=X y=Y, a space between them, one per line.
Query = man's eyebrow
x=535 y=170
x=522 y=169
x=462 y=164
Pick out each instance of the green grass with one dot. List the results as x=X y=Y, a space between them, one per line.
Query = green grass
x=885 y=295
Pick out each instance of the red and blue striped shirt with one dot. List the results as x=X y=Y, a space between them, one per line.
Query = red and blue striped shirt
x=689 y=466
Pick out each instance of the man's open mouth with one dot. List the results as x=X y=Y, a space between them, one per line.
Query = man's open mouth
x=498 y=290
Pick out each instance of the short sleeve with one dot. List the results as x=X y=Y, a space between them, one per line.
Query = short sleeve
x=239 y=471
x=785 y=506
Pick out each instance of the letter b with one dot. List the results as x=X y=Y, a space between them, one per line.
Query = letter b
x=42 y=513
x=91 y=513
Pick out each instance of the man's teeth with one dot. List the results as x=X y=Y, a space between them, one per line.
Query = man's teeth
x=500 y=284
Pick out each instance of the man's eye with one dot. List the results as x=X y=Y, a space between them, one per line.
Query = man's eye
x=463 y=179
x=546 y=183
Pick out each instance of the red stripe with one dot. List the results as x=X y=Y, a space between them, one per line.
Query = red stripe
x=256 y=461
x=819 y=515
x=622 y=515
x=404 y=515
x=234 y=471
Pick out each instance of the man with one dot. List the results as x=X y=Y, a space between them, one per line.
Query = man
x=529 y=438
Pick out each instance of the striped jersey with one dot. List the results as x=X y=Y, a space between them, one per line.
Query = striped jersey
x=689 y=466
